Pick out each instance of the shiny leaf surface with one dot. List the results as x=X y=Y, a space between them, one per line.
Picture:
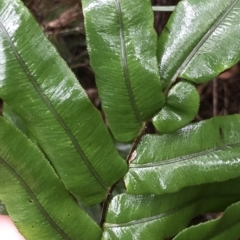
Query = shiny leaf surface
x=37 y=84
x=143 y=217
x=200 y=40
x=181 y=107
x=203 y=152
x=122 y=48
x=226 y=227
x=35 y=198
x=39 y=87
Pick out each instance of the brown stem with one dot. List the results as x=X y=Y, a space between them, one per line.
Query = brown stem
x=106 y=203
x=108 y=198
x=136 y=141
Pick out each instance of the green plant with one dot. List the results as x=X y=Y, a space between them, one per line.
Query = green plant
x=62 y=157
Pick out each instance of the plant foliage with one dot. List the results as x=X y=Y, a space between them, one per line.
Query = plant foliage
x=53 y=106
x=57 y=155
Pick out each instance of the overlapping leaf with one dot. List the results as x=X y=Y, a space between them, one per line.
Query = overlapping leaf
x=203 y=152
x=181 y=107
x=39 y=87
x=195 y=42
x=34 y=196
x=14 y=119
x=226 y=227
x=122 y=48
x=158 y=217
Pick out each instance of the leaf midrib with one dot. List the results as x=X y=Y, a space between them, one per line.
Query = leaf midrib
x=182 y=158
x=36 y=201
x=53 y=111
x=202 y=41
x=125 y=64
x=162 y=215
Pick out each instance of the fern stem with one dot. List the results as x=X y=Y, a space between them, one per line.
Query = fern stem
x=106 y=203
x=109 y=196
x=136 y=141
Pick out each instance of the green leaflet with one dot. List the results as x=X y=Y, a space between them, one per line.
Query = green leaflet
x=35 y=198
x=39 y=87
x=181 y=107
x=158 y=217
x=122 y=48
x=205 y=30
x=203 y=152
x=226 y=227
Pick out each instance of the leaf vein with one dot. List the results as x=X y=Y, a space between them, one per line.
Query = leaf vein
x=202 y=41
x=52 y=109
x=182 y=158
x=125 y=64
x=161 y=215
x=36 y=201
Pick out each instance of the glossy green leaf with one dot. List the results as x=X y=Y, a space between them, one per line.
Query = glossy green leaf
x=200 y=40
x=122 y=48
x=144 y=217
x=226 y=227
x=181 y=107
x=39 y=87
x=35 y=198
x=203 y=152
